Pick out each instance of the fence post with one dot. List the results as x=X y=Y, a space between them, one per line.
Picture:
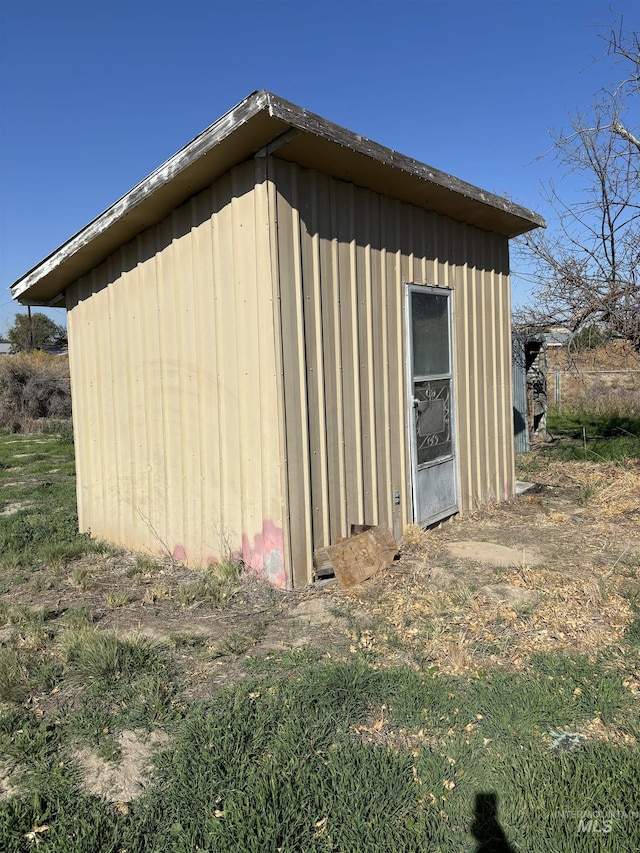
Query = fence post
x=557 y=388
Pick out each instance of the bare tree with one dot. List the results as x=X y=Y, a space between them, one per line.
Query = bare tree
x=588 y=270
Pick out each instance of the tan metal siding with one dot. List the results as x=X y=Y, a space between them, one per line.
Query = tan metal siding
x=400 y=474
x=345 y=256
x=331 y=352
x=483 y=368
x=176 y=384
x=294 y=384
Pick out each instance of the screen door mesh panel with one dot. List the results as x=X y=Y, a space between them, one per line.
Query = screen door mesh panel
x=433 y=419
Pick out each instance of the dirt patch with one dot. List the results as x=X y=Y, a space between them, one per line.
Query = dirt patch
x=509 y=593
x=493 y=554
x=123 y=779
x=13 y=508
x=8 y=785
x=319 y=621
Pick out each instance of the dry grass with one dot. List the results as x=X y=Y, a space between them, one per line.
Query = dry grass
x=437 y=607
x=615 y=355
x=595 y=379
x=608 y=491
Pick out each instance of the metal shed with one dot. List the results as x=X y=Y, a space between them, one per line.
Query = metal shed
x=286 y=330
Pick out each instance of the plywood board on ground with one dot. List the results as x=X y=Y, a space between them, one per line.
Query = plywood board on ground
x=357 y=558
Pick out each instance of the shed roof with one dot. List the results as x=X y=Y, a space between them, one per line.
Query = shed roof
x=260 y=124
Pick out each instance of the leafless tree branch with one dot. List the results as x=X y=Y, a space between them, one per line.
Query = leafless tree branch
x=588 y=269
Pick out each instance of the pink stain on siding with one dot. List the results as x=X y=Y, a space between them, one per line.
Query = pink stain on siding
x=265 y=556
x=179 y=553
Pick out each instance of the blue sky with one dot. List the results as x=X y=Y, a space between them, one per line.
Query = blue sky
x=94 y=94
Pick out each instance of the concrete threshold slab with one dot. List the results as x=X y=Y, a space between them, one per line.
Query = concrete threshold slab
x=522 y=486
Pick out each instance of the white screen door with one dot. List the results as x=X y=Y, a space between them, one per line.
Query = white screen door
x=431 y=426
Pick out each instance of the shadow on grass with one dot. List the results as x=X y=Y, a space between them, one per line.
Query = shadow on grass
x=485 y=827
x=594 y=425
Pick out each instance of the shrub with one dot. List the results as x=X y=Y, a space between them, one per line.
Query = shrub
x=34 y=390
x=589 y=337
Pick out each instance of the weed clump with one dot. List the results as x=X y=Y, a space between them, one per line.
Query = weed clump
x=101 y=658
x=217 y=586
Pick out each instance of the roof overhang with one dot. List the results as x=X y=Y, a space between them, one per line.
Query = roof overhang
x=264 y=123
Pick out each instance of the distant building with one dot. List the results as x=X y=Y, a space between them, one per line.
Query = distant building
x=557 y=336
x=55 y=349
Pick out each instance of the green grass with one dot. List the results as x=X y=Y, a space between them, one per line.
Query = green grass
x=44 y=529
x=125 y=676
x=27 y=668
x=593 y=437
x=299 y=763
x=306 y=753
x=633 y=630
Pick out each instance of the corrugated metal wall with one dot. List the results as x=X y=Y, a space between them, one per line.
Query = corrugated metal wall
x=187 y=378
x=175 y=372
x=344 y=257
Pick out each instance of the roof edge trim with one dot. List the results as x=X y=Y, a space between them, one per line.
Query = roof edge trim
x=315 y=124
x=197 y=147
x=102 y=231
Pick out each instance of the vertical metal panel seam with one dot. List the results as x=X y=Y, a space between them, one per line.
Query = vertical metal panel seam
x=401 y=356
x=295 y=402
x=384 y=471
x=270 y=514
x=319 y=359
x=489 y=361
x=162 y=262
x=301 y=379
x=397 y=371
x=503 y=430
x=175 y=343
x=497 y=374
x=465 y=378
x=368 y=382
x=115 y=430
x=279 y=358
x=509 y=390
x=220 y=284
x=337 y=322
x=202 y=287
x=370 y=374
x=145 y=311
x=130 y=342
x=236 y=224
x=476 y=490
x=185 y=339
x=353 y=294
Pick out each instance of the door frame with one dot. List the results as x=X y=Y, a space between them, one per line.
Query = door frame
x=410 y=288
